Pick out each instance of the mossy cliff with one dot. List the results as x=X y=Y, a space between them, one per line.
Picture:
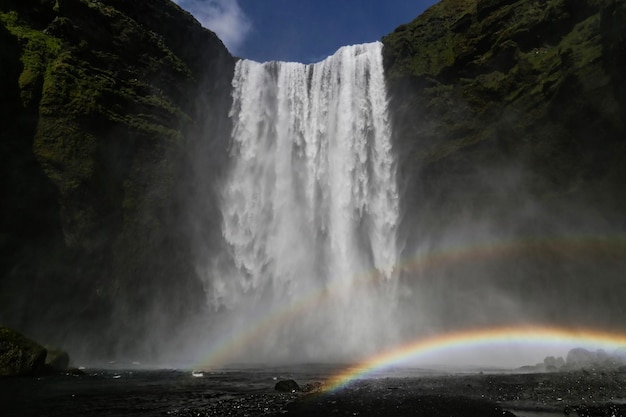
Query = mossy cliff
x=104 y=106
x=481 y=85
x=510 y=123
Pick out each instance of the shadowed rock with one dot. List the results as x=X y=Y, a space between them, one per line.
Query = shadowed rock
x=104 y=106
x=57 y=359
x=509 y=121
x=287 y=385
x=20 y=355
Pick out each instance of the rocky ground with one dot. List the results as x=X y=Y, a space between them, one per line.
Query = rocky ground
x=244 y=393
x=580 y=393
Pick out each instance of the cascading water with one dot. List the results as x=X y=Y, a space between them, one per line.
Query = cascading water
x=310 y=209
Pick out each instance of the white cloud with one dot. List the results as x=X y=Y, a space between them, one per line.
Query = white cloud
x=223 y=17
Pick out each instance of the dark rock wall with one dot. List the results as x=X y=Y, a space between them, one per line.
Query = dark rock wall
x=477 y=84
x=110 y=110
x=509 y=122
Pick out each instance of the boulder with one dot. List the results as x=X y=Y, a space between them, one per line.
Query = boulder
x=287 y=385
x=20 y=355
x=553 y=364
x=57 y=359
x=313 y=387
x=580 y=357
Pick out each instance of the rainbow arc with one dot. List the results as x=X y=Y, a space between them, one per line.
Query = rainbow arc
x=485 y=337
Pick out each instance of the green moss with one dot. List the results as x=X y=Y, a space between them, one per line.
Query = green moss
x=19 y=355
x=38 y=49
x=492 y=81
x=542 y=59
x=61 y=143
x=583 y=44
x=112 y=90
x=423 y=59
x=478 y=84
x=152 y=130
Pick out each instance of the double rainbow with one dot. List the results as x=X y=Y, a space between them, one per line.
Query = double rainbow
x=476 y=338
x=601 y=247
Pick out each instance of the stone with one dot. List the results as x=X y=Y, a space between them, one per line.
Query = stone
x=580 y=357
x=313 y=387
x=287 y=385
x=57 y=359
x=20 y=355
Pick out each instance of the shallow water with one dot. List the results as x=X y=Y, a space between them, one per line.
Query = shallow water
x=128 y=392
x=123 y=392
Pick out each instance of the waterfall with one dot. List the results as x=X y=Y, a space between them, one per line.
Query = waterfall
x=310 y=207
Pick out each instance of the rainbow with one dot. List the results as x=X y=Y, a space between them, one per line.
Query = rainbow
x=466 y=339
x=597 y=246
x=586 y=246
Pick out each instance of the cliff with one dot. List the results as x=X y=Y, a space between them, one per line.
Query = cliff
x=509 y=119
x=105 y=106
x=478 y=85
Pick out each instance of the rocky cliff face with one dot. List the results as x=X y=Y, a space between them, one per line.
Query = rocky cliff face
x=510 y=121
x=106 y=105
x=478 y=85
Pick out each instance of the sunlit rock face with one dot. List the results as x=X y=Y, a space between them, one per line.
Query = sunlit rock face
x=509 y=119
x=310 y=207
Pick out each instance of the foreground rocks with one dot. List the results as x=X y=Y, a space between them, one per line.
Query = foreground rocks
x=245 y=393
x=573 y=393
x=582 y=359
x=372 y=400
x=287 y=385
x=57 y=359
x=22 y=356
x=579 y=393
x=19 y=355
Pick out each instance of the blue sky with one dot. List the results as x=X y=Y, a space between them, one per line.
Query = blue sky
x=300 y=30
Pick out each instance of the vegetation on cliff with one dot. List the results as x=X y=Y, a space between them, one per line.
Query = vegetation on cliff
x=492 y=82
x=509 y=118
x=105 y=104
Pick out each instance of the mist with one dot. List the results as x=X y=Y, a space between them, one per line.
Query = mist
x=321 y=260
